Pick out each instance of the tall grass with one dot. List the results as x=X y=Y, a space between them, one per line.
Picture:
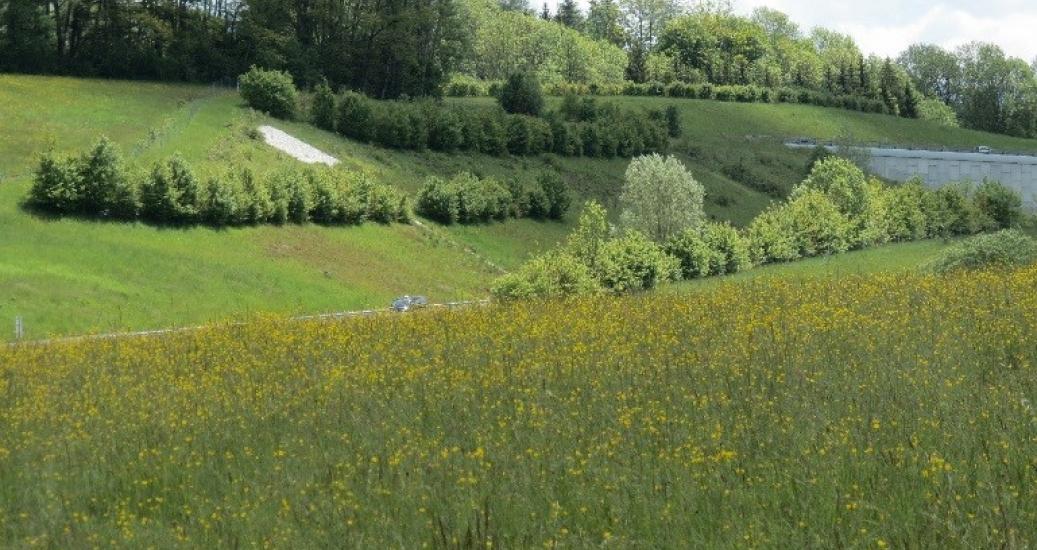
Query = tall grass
x=869 y=411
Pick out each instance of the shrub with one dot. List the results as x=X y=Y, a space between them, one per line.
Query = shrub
x=256 y=207
x=937 y=111
x=872 y=226
x=56 y=185
x=592 y=230
x=565 y=138
x=386 y=204
x=279 y=199
x=464 y=199
x=522 y=95
x=771 y=237
x=551 y=275
x=660 y=197
x=445 y=129
x=634 y=262
x=950 y=212
x=222 y=202
x=104 y=188
x=521 y=140
x=494 y=134
x=300 y=198
x=480 y=200
x=535 y=204
x=655 y=88
x=730 y=249
x=124 y=200
x=353 y=193
x=819 y=228
x=462 y=85
x=540 y=135
x=271 y=92
x=841 y=181
x=673 y=121
x=400 y=125
x=572 y=108
x=1006 y=248
x=322 y=111
x=171 y=193
x=325 y=196
x=697 y=258
x=556 y=196
x=905 y=209
x=999 y=204
x=437 y=201
x=354 y=117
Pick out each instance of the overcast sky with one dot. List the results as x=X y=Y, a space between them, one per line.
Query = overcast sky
x=887 y=27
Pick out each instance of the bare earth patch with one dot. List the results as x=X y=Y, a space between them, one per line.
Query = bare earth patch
x=297 y=149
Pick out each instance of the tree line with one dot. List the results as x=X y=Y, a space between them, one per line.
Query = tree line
x=384 y=47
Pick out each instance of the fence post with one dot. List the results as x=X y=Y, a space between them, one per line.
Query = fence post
x=19 y=328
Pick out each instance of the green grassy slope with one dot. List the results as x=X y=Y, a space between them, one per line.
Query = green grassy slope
x=897 y=257
x=68 y=276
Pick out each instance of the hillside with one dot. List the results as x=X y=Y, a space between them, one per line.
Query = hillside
x=69 y=276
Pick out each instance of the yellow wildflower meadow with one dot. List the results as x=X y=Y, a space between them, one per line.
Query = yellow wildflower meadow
x=874 y=411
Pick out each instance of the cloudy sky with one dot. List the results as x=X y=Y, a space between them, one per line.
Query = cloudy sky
x=886 y=27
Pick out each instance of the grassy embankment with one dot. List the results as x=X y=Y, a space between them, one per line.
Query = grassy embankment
x=70 y=276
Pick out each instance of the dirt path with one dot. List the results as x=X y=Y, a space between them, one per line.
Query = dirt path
x=297 y=149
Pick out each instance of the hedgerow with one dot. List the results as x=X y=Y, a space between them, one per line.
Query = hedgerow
x=470 y=87
x=468 y=199
x=592 y=131
x=834 y=210
x=98 y=184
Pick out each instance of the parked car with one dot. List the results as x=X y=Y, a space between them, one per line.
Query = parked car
x=406 y=303
x=983 y=149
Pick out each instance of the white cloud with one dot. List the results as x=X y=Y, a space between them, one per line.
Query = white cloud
x=886 y=27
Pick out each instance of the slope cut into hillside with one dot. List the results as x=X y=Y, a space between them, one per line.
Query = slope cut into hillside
x=294 y=147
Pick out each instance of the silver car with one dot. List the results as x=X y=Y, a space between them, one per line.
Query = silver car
x=406 y=303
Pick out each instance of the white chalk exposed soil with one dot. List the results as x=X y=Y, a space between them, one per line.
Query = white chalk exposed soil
x=296 y=148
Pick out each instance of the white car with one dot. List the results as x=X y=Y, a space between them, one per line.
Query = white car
x=983 y=149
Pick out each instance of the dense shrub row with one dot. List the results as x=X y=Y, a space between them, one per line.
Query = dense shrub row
x=97 y=184
x=462 y=85
x=468 y=199
x=442 y=127
x=836 y=209
x=756 y=94
x=605 y=131
x=468 y=87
